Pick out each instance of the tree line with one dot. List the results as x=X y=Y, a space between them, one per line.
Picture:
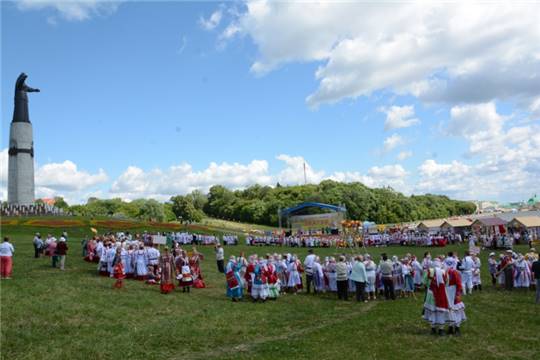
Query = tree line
x=261 y=204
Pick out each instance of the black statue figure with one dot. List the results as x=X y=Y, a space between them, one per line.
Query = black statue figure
x=20 y=113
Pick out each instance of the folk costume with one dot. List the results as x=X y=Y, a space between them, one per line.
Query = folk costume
x=436 y=301
x=184 y=277
x=273 y=281
x=194 y=263
x=456 y=313
x=140 y=262
x=166 y=263
x=522 y=273
x=118 y=273
x=259 y=286
x=234 y=281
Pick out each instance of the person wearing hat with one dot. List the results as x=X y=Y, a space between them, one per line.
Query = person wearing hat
x=62 y=249
x=38 y=245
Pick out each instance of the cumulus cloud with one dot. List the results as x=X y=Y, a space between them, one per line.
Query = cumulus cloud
x=181 y=179
x=391 y=142
x=71 y=10
x=57 y=179
x=508 y=157
x=404 y=155
x=212 y=22
x=398 y=117
x=458 y=52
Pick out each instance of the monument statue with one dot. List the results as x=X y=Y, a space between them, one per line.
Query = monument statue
x=20 y=113
x=21 y=148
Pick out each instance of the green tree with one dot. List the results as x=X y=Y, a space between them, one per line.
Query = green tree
x=184 y=209
x=152 y=210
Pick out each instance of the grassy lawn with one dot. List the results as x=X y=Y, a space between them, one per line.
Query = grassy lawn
x=49 y=314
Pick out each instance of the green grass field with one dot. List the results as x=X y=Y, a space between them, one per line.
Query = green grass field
x=49 y=314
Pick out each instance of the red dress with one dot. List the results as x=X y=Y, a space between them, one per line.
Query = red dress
x=119 y=275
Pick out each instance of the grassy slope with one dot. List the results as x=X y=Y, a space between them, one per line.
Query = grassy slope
x=48 y=314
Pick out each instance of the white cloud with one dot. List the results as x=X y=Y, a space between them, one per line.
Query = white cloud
x=293 y=174
x=67 y=177
x=181 y=179
x=71 y=10
x=404 y=155
x=453 y=52
x=398 y=117
x=57 y=179
x=392 y=142
x=212 y=22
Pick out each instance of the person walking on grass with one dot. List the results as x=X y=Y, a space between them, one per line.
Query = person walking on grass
x=61 y=250
x=220 y=258
x=6 y=259
x=38 y=245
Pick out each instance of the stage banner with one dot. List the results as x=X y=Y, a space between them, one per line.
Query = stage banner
x=159 y=239
x=317 y=221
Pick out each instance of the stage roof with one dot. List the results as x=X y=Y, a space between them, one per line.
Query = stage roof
x=288 y=211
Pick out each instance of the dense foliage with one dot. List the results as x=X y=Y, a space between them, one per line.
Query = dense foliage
x=260 y=204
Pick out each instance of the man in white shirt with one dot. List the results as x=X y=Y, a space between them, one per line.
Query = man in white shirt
x=308 y=268
x=220 y=255
x=467 y=265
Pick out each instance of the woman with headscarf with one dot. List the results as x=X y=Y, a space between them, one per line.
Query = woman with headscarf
x=418 y=273
x=294 y=281
x=194 y=263
x=234 y=281
x=272 y=277
x=436 y=301
x=371 y=276
x=259 y=286
x=456 y=308
x=166 y=264
x=397 y=276
x=183 y=270
x=140 y=262
x=318 y=275
x=331 y=274
x=522 y=273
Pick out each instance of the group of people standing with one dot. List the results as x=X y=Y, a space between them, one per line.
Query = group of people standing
x=55 y=249
x=513 y=270
x=133 y=259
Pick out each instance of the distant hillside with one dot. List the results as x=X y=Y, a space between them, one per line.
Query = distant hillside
x=260 y=204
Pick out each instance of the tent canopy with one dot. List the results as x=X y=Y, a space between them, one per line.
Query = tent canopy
x=528 y=222
x=463 y=222
x=430 y=224
x=490 y=221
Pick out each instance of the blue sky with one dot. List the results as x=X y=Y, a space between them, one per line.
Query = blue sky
x=153 y=99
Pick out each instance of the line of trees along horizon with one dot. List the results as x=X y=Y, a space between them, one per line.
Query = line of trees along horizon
x=260 y=204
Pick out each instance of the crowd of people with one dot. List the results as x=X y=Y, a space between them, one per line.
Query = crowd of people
x=30 y=210
x=138 y=258
x=443 y=279
x=53 y=248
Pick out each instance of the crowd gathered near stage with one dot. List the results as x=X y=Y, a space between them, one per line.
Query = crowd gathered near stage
x=441 y=280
